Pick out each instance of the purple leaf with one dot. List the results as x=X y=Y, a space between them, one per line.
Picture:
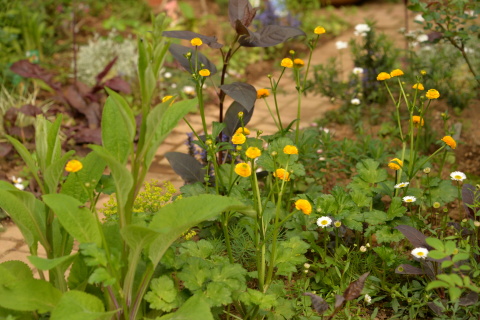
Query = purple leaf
x=416 y=238
x=189 y=35
x=339 y=300
x=243 y=93
x=355 y=288
x=318 y=303
x=231 y=118
x=241 y=10
x=178 y=52
x=468 y=197
x=30 y=110
x=408 y=269
x=119 y=85
x=470 y=299
x=270 y=36
x=30 y=70
x=5 y=149
x=87 y=135
x=186 y=166
x=105 y=70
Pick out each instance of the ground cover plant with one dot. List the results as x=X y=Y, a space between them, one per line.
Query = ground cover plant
x=257 y=231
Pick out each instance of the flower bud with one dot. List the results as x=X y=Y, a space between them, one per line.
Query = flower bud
x=426 y=170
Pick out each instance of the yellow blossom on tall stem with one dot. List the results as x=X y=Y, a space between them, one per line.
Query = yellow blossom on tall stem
x=432 y=94
x=73 y=166
x=243 y=169
x=304 y=206
x=450 y=142
x=253 y=152
x=204 y=72
x=262 y=93
x=196 y=42
x=239 y=138
x=395 y=164
x=383 y=76
x=289 y=149
x=396 y=73
x=319 y=30
x=298 y=63
x=287 y=63
x=418 y=120
x=243 y=130
x=282 y=174
x=418 y=86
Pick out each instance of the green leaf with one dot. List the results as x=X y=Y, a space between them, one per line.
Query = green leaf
x=376 y=217
x=454 y=293
x=79 y=221
x=77 y=305
x=13 y=270
x=28 y=214
x=54 y=171
x=460 y=256
x=369 y=172
x=122 y=177
x=26 y=156
x=396 y=209
x=290 y=253
x=78 y=184
x=125 y=111
x=388 y=235
x=436 y=284
x=435 y=243
x=194 y=308
x=160 y=122
x=116 y=135
x=436 y=254
x=48 y=264
x=183 y=214
x=264 y=301
x=163 y=295
x=30 y=295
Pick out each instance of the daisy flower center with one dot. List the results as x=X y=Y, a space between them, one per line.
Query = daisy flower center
x=324 y=222
x=458 y=177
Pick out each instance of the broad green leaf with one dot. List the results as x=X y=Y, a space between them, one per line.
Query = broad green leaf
x=290 y=253
x=12 y=271
x=183 y=214
x=47 y=141
x=160 y=122
x=30 y=295
x=163 y=295
x=435 y=243
x=193 y=308
x=116 y=135
x=454 y=293
x=387 y=234
x=263 y=300
x=79 y=221
x=376 y=217
x=78 y=184
x=47 y=264
x=54 y=170
x=436 y=284
x=436 y=254
x=28 y=214
x=125 y=111
x=26 y=156
x=122 y=177
x=77 y=305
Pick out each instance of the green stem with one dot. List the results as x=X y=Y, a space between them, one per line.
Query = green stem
x=225 y=218
x=299 y=104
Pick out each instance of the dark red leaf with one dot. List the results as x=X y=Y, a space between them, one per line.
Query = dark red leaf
x=27 y=132
x=243 y=93
x=189 y=35
x=269 y=36
x=178 y=52
x=241 y=29
x=30 y=110
x=355 y=288
x=435 y=308
x=231 y=118
x=408 y=269
x=339 y=300
x=239 y=10
x=119 y=85
x=186 y=166
x=416 y=238
x=469 y=198
x=470 y=299
x=318 y=303
x=30 y=70
x=105 y=70
x=5 y=149
x=87 y=135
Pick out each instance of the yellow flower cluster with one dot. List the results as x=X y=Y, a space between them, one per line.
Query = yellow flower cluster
x=396 y=73
x=243 y=169
x=298 y=63
x=304 y=206
x=253 y=152
x=432 y=94
x=73 y=166
x=243 y=130
x=395 y=164
x=418 y=86
x=282 y=174
x=166 y=98
x=239 y=138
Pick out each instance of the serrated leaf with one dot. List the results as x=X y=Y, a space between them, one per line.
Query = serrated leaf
x=189 y=35
x=77 y=305
x=269 y=36
x=264 y=301
x=30 y=295
x=290 y=253
x=194 y=308
x=242 y=92
x=369 y=172
x=186 y=166
x=318 y=303
x=376 y=217
x=163 y=295
x=396 y=209
x=179 y=52
x=231 y=118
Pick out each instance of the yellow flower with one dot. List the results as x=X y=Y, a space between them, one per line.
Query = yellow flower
x=418 y=86
x=396 y=73
x=298 y=63
x=204 y=72
x=196 y=42
x=450 y=142
x=73 y=166
x=418 y=120
x=319 y=30
x=166 y=98
x=287 y=63
x=282 y=174
x=432 y=94
x=289 y=149
x=239 y=138
x=262 y=93
x=383 y=76
x=423 y=72
x=253 y=152
x=243 y=169
x=304 y=206
x=395 y=164
x=243 y=130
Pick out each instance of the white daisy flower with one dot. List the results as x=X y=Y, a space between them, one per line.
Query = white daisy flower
x=363 y=249
x=16 y=180
x=189 y=90
x=458 y=176
x=409 y=199
x=306 y=265
x=368 y=299
x=19 y=186
x=422 y=38
x=341 y=45
x=419 y=18
x=401 y=185
x=167 y=75
x=420 y=253
x=357 y=70
x=361 y=29
x=324 y=222
x=355 y=101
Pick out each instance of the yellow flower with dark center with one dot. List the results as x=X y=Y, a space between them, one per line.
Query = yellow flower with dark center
x=239 y=138
x=287 y=63
x=73 y=166
x=196 y=42
x=253 y=152
x=450 y=142
x=166 y=98
x=432 y=94
x=304 y=206
x=395 y=164
x=243 y=130
x=243 y=169
x=262 y=93
x=396 y=73
x=298 y=63
x=319 y=30
x=417 y=120
x=418 y=86
x=289 y=149
x=204 y=72
x=383 y=76
x=282 y=174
